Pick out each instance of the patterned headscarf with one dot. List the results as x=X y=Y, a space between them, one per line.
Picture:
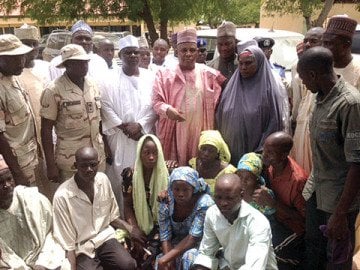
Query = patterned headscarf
x=214 y=138
x=252 y=162
x=190 y=176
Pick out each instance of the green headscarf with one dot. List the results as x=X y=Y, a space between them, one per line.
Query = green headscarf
x=145 y=216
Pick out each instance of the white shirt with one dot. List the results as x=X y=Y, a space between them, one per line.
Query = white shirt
x=171 y=61
x=113 y=70
x=246 y=243
x=98 y=69
x=41 y=69
x=79 y=224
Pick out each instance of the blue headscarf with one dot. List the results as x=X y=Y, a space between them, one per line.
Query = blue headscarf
x=190 y=176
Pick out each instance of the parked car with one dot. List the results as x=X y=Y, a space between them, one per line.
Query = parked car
x=284 y=50
x=56 y=40
x=59 y=38
x=355 y=49
x=122 y=34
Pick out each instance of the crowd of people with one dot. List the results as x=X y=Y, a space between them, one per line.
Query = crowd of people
x=172 y=162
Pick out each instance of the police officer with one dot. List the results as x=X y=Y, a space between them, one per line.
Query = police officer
x=71 y=103
x=266 y=45
x=202 y=51
x=17 y=123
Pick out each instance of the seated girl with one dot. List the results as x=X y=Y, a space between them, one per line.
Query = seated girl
x=181 y=219
x=249 y=170
x=141 y=187
x=213 y=158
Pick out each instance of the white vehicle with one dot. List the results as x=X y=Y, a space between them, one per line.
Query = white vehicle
x=355 y=49
x=284 y=50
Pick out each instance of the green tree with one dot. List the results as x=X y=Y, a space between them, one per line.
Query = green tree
x=151 y=11
x=306 y=8
x=237 y=11
x=154 y=12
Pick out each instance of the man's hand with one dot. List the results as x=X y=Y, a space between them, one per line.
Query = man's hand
x=53 y=174
x=337 y=226
x=262 y=197
x=163 y=196
x=137 y=136
x=175 y=115
x=132 y=130
x=121 y=127
x=171 y=165
x=137 y=235
x=162 y=265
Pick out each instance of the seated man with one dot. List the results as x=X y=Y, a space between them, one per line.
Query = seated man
x=287 y=180
x=241 y=231
x=26 y=240
x=85 y=212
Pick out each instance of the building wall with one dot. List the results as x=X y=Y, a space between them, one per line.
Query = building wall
x=7 y=25
x=296 y=23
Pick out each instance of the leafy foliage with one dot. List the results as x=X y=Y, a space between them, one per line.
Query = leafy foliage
x=306 y=8
x=237 y=11
x=302 y=7
x=153 y=12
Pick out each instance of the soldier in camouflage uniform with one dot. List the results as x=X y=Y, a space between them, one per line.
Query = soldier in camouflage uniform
x=17 y=124
x=71 y=104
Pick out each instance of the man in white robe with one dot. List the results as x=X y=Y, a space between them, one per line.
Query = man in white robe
x=126 y=111
x=26 y=237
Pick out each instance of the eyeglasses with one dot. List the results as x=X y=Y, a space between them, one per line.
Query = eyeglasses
x=202 y=50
